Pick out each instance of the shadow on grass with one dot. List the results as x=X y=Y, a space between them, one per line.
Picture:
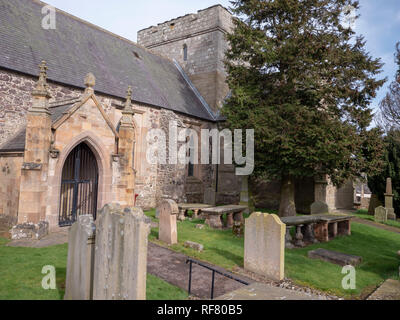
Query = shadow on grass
x=60 y=281
x=234 y=258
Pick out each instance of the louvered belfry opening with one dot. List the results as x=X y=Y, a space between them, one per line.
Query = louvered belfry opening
x=79 y=185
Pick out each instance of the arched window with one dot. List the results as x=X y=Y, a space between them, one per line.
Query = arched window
x=185 y=52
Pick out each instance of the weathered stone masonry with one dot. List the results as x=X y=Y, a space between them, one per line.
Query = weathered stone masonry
x=152 y=182
x=203 y=34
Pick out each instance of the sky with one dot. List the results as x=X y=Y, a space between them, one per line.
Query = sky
x=379 y=22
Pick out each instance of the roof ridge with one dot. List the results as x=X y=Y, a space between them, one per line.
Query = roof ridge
x=92 y=25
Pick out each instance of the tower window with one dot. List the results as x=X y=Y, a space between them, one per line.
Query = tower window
x=185 y=52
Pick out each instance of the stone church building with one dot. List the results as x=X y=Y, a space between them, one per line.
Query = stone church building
x=74 y=138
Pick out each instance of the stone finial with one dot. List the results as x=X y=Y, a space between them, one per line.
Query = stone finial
x=128 y=103
x=41 y=94
x=41 y=85
x=389 y=189
x=90 y=82
x=128 y=96
x=127 y=112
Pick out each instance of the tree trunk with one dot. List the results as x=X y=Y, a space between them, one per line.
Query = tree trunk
x=287 y=206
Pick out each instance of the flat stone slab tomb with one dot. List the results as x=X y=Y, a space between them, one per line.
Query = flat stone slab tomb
x=260 y=291
x=214 y=216
x=195 y=207
x=342 y=259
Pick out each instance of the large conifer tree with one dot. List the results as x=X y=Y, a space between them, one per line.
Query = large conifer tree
x=304 y=82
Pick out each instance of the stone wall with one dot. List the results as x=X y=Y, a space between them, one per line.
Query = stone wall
x=151 y=181
x=172 y=180
x=10 y=176
x=203 y=34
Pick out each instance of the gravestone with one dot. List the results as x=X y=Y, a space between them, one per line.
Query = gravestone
x=381 y=214
x=121 y=254
x=264 y=245
x=167 y=230
x=373 y=204
x=319 y=207
x=389 y=200
x=79 y=283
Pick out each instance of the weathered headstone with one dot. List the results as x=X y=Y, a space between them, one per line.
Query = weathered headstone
x=79 y=283
x=373 y=204
x=319 y=207
x=389 y=200
x=264 y=245
x=121 y=254
x=167 y=230
x=381 y=214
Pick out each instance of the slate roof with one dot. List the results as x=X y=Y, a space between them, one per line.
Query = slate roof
x=77 y=47
x=17 y=143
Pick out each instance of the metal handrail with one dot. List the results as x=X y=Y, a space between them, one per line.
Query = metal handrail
x=214 y=271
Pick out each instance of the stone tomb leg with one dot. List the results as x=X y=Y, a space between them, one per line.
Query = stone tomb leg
x=344 y=228
x=215 y=221
x=182 y=214
x=333 y=230
x=288 y=239
x=299 y=237
x=308 y=231
x=196 y=214
x=321 y=231
x=229 y=220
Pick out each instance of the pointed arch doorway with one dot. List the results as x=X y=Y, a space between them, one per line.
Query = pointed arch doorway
x=79 y=185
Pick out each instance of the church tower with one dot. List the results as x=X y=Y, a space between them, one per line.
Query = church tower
x=197 y=42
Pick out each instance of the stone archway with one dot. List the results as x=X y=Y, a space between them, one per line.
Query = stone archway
x=79 y=185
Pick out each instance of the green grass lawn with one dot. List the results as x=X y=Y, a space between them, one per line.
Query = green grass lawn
x=21 y=277
x=363 y=214
x=378 y=248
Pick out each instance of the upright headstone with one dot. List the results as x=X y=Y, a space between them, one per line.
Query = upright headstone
x=264 y=245
x=389 y=200
x=319 y=207
x=167 y=230
x=79 y=283
x=373 y=204
x=121 y=254
x=381 y=214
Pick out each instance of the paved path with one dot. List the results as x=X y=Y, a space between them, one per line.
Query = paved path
x=389 y=290
x=171 y=267
x=377 y=225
